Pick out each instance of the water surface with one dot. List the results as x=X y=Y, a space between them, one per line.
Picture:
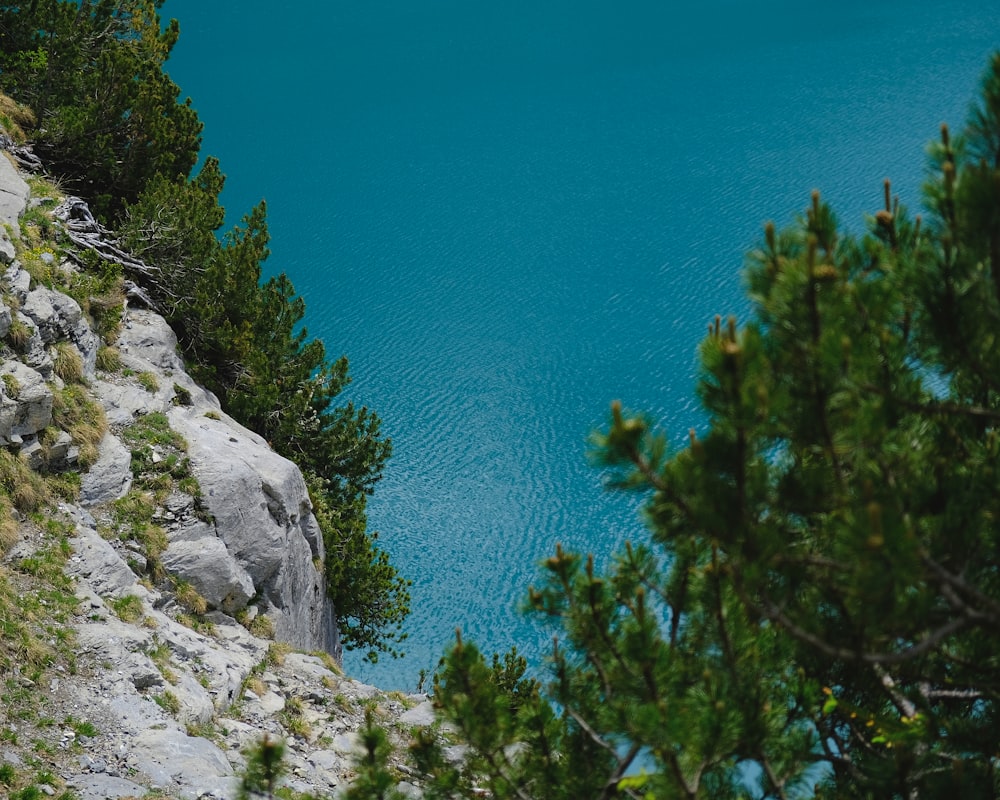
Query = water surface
x=508 y=214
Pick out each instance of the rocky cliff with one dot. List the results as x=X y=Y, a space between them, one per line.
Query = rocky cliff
x=182 y=567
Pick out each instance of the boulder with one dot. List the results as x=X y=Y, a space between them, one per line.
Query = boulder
x=206 y=564
x=90 y=786
x=31 y=411
x=184 y=764
x=263 y=516
x=37 y=306
x=18 y=281
x=97 y=562
x=110 y=476
x=14 y=193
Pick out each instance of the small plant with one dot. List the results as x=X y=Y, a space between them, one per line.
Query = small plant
x=276 y=652
x=11 y=386
x=261 y=627
x=81 y=727
x=82 y=418
x=7 y=774
x=109 y=359
x=9 y=530
x=265 y=765
x=128 y=608
x=182 y=396
x=147 y=380
x=189 y=597
x=67 y=362
x=19 y=334
x=197 y=624
x=25 y=487
x=213 y=415
x=169 y=702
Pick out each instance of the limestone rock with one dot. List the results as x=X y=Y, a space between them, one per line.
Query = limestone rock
x=103 y=787
x=187 y=765
x=109 y=477
x=262 y=514
x=96 y=561
x=18 y=281
x=31 y=410
x=207 y=565
x=14 y=193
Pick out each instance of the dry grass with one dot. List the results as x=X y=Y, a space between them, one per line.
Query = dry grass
x=109 y=359
x=189 y=597
x=9 y=529
x=67 y=362
x=82 y=418
x=14 y=118
x=25 y=487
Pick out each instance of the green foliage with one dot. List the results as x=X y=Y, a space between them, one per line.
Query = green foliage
x=816 y=612
x=92 y=73
x=127 y=608
x=109 y=117
x=373 y=781
x=244 y=341
x=370 y=598
x=264 y=767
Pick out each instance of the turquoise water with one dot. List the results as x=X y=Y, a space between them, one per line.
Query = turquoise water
x=509 y=214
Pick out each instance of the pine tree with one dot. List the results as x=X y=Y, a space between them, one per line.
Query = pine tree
x=109 y=117
x=816 y=611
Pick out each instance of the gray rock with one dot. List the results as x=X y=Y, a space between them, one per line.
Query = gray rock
x=37 y=307
x=33 y=454
x=97 y=562
x=18 y=281
x=110 y=476
x=58 y=454
x=103 y=787
x=421 y=715
x=7 y=251
x=262 y=513
x=31 y=411
x=5 y=320
x=14 y=193
x=185 y=764
x=207 y=565
x=36 y=355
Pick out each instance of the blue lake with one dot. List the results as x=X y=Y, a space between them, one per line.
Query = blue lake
x=509 y=214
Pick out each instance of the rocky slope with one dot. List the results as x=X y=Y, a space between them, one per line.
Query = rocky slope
x=183 y=523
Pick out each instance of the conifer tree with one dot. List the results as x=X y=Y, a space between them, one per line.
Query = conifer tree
x=109 y=117
x=816 y=611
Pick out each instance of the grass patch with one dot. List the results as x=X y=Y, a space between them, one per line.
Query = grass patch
x=15 y=118
x=82 y=418
x=147 y=380
x=261 y=627
x=189 y=597
x=11 y=386
x=67 y=362
x=169 y=702
x=25 y=487
x=133 y=518
x=109 y=359
x=19 y=334
x=127 y=608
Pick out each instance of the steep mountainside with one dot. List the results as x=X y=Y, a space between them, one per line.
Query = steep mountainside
x=160 y=565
